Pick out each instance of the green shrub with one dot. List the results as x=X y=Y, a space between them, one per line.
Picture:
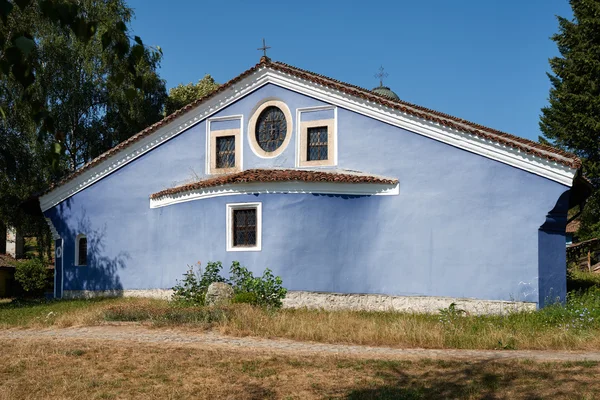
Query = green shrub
x=245 y=297
x=192 y=289
x=32 y=275
x=266 y=290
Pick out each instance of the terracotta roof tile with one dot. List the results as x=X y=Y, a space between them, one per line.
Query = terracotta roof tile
x=573 y=226
x=528 y=146
x=279 y=175
x=516 y=142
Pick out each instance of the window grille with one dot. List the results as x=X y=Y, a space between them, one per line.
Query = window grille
x=225 y=152
x=82 y=251
x=271 y=128
x=317 y=143
x=244 y=227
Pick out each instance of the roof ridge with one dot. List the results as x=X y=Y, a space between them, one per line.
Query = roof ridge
x=528 y=146
x=383 y=99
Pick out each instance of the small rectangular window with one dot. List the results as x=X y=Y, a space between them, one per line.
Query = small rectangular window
x=317 y=143
x=225 y=157
x=81 y=250
x=244 y=227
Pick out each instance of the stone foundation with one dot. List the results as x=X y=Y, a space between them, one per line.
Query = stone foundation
x=339 y=301
x=411 y=304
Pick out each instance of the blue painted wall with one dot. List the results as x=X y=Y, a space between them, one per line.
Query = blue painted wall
x=463 y=225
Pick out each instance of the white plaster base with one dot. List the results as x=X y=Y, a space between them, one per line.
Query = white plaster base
x=410 y=304
x=339 y=301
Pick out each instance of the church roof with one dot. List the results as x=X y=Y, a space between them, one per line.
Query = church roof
x=280 y=175
x=505 y=139
x=386 y=91
x=573 y=225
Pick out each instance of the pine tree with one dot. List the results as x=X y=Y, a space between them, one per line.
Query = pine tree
x=572 y=120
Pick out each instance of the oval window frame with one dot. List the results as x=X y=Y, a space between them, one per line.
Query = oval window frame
x=254 y=145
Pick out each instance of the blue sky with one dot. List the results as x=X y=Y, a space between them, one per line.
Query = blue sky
x=481 y=60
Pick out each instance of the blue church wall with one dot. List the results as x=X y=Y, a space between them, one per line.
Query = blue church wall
x=462 y=225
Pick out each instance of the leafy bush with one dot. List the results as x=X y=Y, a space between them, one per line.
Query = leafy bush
x=192 y=289
x=267 y=290
x=449 y=315
x=245 y=297
x=32 y=275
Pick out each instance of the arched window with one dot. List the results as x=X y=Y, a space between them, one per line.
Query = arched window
x=81 y=250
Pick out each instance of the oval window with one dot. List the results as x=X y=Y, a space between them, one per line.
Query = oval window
x=271 y=129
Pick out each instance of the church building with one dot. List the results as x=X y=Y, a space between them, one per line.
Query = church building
x=354 y=197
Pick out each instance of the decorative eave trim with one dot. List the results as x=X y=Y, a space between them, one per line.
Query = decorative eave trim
x=294 y=187
x=55 y=235
x=467 y=141
x=168 y=131
x=463 y=140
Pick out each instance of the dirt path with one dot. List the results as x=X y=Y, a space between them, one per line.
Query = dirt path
x=178 y=338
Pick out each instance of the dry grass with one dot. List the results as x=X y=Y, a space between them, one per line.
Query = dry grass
x=96 y=370
x=408 y=330
x=544 y=331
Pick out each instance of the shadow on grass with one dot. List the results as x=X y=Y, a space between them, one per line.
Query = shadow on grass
x=25 y=303
x=488 y=379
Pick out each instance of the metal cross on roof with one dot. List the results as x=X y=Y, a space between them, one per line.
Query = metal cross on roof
x=381 y=75
x=264 y=47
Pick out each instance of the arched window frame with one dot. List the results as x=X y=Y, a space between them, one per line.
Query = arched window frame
x=77 y=248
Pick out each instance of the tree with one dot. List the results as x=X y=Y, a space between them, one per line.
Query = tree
x=90 y=96
x=572 y=120
x=182 y=95
x=73 y=83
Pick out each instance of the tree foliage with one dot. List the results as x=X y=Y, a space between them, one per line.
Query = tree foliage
x=182 y=95
x=32 y=275
x=73 y=83
x=572 y=119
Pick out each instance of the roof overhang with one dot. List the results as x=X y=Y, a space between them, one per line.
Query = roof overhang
x=279 y=181
x=264 y=74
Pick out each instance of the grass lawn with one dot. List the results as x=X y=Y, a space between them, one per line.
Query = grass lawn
x=95 y=370
x=574 y=327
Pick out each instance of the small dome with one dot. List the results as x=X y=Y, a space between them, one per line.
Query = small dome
x=386 y=91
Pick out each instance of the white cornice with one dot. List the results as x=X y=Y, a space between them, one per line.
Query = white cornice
x=53 y=230
x=325 y=188
x=466 y=141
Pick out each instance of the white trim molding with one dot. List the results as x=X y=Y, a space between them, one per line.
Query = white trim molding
x=231 y=207
x=210 y=145
x=265 y=75
x=296 y=187
x=463 y=140
x=301 y=132
x=55 y=235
